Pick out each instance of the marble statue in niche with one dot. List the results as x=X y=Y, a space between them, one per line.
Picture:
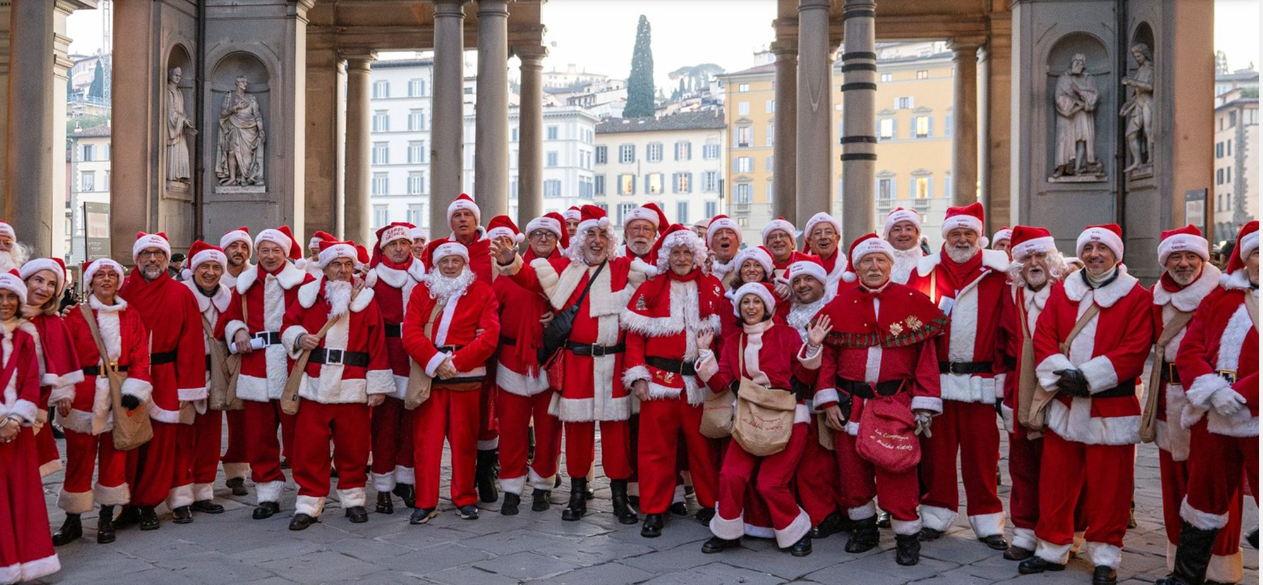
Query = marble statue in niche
x=1075 y=100
x=1139 y=109
x=239 y=161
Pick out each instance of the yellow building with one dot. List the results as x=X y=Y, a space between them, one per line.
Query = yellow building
x=750 y=109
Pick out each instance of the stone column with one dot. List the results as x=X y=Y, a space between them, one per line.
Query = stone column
x=859 y=93
x=28 y=202
x=530 y=166
x=784 y=148
x=358 y=224
x=325 y=142
x=815 y=61
x=491 y=122
x=446 y=143
x=965 y=121
x=995 y=140
x=60 y=194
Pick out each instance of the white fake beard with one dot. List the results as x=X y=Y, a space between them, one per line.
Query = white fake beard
x=9 y=261
x=338 y=293
x=800 y=315
x=959 y=255
x=445 y=289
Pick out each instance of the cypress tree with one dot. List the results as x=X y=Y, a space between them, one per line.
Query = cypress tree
x=640 y=90
x=97 y=89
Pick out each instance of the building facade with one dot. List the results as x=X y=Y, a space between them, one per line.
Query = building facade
x=88 y=182
x=1236 y=187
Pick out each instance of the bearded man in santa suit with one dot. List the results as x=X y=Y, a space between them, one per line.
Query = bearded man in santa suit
x=393 y=276
x=902 y=230
x=723 y=239
x=451 y=330
x=238 y=247
x=177 y=364
x=823 y=237
x=966 y=282
x=264 y=292
x=663 y=320
x=521 y=384
x=1093 y=422
x=592 y=386
x=641 y=228
x=347 y=373
x=12 y=253
x=1219 y=360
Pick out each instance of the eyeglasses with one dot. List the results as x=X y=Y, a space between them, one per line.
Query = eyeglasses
x=542 y=235
x=151 y=254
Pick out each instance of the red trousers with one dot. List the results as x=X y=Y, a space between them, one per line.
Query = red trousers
x=1225 y=564
x=488 y=428
x=967 y=428
x=662 y=422
x=26 y=547
x=615 y=448
x=347 y=425
x=897 y=493
x=451 y=415
x=516 y=413
x=816 y=479
x=236 y=459
x=263 y=448
x=392 y=445
x=1104 y=475
x=85 y=451
x=197 y=459
x=151 y=468
x=774 y=474
x=1024 y=458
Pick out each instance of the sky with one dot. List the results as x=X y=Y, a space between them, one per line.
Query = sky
x=691 y=32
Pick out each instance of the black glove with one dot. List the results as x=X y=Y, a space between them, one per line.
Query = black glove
x=999 y=407
x=130 y=402
x=1073 y=383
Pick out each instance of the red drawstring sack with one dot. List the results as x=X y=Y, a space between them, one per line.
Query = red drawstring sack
x=887 y=436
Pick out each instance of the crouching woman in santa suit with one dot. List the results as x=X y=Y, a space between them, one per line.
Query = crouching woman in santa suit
x=762 y=351
x=26 y=551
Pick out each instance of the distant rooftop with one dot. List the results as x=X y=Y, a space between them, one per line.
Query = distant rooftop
x=700 y=120
x=93 y=132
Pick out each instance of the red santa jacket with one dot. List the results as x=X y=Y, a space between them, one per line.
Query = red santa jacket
x=480 y=261
x=1220 y=351
x=1168 y=299
x=764 y=353
x=970 y=295
x=268 y=296
x=354 y=348
x=392 y=286
x=879 y=336
x=1110 y=351
x=662 y=321
x=58 y=363
x=175 y=341
x=591 y=389
x=1018 y=303
x=126 y=343
x=520 y=336
x=467 y=331
x=19 y=395
x=211 y=308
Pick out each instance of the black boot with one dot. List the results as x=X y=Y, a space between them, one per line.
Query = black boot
x=238 y=486
x=384 y=504
x=1192 y=556
x=180 y=515
x=301 y=521
x=1037 y=565
x=105 y=525
x=486 y=473
x=422 y=515
x=70 y=531
x=652 y=527
x=149 y=518
x=864 y=536
x=1253 y=539
x=704 y=516
x=716 y=544
x=577 y=506
x=539 y=500
x=207 y=507
x=883 y=519
x=801 y=548
x=679 y=509
x=406 y=492
x=1103 y=575
x=995 y=542
x=832 y=524
x=927 y=534
x=510 y=505
x=357 y=514
x=266 y=510
x=130 y=516
x=622 y=506
x=1017 y=553
x=907 y=549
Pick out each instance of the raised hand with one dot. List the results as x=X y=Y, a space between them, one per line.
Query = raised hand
x=704 y=338
x=819 y=330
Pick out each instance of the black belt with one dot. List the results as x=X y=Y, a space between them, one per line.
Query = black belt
x=507 y=341
x=1125 y=389
x=268 y=337
x=335 y=357
x=442 y=381
x=96 y=370
x=166 y=357
x=449 y=348
x=1010 y=362
x=682 y=367
x=394 y=329
x=1169 y=374
x=870 y=391
x=208 y=362
x=587 y=349
x=964 y=367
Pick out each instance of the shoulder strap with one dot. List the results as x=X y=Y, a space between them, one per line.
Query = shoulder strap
x=1079 y=325
x=96 y=333
x=591 y=279
x=429 y=323
x=207 y=329
x=1252 y=307
x=1170 y=330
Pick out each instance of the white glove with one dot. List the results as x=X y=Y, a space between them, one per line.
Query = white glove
x=1226 y=401
x=924 y=418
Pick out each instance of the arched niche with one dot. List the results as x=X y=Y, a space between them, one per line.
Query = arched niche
x=1098 y=67
x=220 y=84
x=177 y=182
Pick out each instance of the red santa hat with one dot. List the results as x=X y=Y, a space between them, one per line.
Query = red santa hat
x=763 y=290
x=758 y=254
x=591 y=216
x=869 y=244
x=573 y=214
x=1004 y=234
x=417 y=234
x=146 y=241
x=553 y=222
x=7 y=230
x=320 y=236
x=722 y=222
x=778 y=224
x=333 y=250
x=388 y=233
x=898 y=215
x=241 y=234
x=807 y=266
x=12 y=281
x=201 y=253
x=649 y=212
x=969 y=217
x=281 y=236
x=464 y=201
x=501 y=226
x=1028 y=240
x=54 y=265
x=449 y=249
x=1109 y=234
x=674 y=237
x=1247 y=242
x=1185 y=239
x=90 y=269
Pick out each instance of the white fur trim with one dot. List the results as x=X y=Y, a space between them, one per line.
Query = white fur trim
x=539 y=482
x=1076 y=289
x=191 y=394
x=929 y=403
x=74 y=503
x=728 y=529
x=899 y=215
x=118 y=495
x=868 y=510
x=787 y=536
x=985 y=525
x=1077 y=424
x=1172 y=436
x=384 y=482
x=31 y=570
x=962 y=221
x=488 y=444
x=1238 y=280
x=513 y=485
x=520 y=384
x=157 y=413
x=309 y=505
x=288 y=277
x=810 y=358
x=1240 y=424
x=203 y=492
x=1100 y=374
x=351 y=497
x=1188 y=298
x=141 y=389
x=706 y=365
x=276 y=237
x=405 y=475
x=1249 y=243
x=1225 y=568
x=1045 y=244
x=1102 y=235
x=635 y=374
x=906 y=527
x=181 y=495
x=269 y=491
x=1183 y=243
x=1105 y=555
x=781 y=225
x=938 y=518
x=1024 y=538
x=147 y=241
x=1053 y=553
x=1202 y=520
x=870 y=246
x=825 y=396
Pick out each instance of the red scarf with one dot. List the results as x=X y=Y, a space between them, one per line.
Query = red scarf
x=146 y=296
x=960 y=274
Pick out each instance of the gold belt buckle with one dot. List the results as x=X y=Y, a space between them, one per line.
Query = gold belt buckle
x=1229 y=375
x=1172 y=373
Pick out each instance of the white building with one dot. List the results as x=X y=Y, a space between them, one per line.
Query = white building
x=1236 y=192
x=675 y=161
x=88 y=181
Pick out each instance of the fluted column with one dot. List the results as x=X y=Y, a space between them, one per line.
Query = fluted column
x=491 y=112
x=358 y=224
x=815 y=62
x=29 y=197
x=784 y=147
x=530 y=160
x=446 y=144
x=965 y=121
x=859 y=93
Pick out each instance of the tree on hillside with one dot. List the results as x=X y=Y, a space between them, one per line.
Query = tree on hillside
x=640 y=90
x=97 y=89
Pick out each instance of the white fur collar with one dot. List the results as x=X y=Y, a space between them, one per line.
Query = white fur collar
x=221 y=298
x=95 y=303
x=1106 y=296
x=398 y=278
x=308 y=293
x=289 y=277
x=1238 y=280
x=993 y=259
x=1187 y=298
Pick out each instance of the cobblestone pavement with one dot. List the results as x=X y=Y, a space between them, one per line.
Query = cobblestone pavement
x=539 y=547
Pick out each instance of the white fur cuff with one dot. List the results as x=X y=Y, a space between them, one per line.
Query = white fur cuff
x=929 y=403
x=309 y=506
x=1100 y=374
x=727 y=529
x=351 y=497
x=1200 y=519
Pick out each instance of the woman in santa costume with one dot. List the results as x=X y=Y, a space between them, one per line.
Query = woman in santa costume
x=663 y=319
x=26 y=551
x=521 y=384
x=393 y=276
x=347 y=373
x=264 y=292
x=45 y=280
x=451 y=330
x=881 y=348
x=1093 y=423
x=753 y=264
x=88 y=418
x=1219 y=359
x=762 y=351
